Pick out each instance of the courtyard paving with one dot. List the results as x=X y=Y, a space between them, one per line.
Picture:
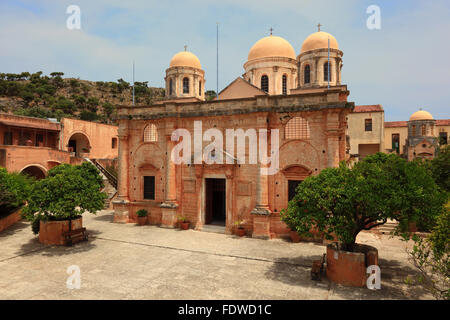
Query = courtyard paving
x=124 y=261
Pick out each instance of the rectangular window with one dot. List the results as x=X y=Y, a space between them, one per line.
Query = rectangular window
x=39 y=140
x=396 y=142
x=149 y=188
x=114 y=143
x=368 y=125
x=443 y=138
x=7 y=138
x=424 y=130
x=292 y=186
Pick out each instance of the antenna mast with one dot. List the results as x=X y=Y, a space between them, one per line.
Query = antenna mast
x=217 y=63
x=133 y=82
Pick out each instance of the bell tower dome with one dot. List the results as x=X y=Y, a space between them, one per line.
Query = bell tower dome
x=185 y=77
x=314 y=68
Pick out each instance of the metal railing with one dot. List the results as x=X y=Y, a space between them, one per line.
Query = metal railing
x=112 y=179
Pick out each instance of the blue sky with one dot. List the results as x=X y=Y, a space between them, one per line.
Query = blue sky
x=404 y=66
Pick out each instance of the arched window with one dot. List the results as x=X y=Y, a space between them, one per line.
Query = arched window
x=284 y=84
x=265 y=83
x=424 y=130
x=326 y=72
x=170 y=87
x=150 y=133
x=186 y=85
x=413 y=129
x=297 y=128
x=200 y=88
x=307 y=74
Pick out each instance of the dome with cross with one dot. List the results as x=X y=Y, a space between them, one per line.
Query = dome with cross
x=185 y=59
x=271 y=46
x=319 y=40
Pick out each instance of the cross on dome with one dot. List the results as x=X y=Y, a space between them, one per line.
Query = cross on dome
x=271 y=30
x=318 y=26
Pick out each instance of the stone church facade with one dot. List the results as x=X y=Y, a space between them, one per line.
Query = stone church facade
x=309 y=119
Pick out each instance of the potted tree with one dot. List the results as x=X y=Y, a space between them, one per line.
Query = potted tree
x=183 y=222
x=56 y=204
x=341 y=202
x=142 y=217
x=240 y=230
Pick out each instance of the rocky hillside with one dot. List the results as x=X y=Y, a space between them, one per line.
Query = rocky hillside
x=38 y=95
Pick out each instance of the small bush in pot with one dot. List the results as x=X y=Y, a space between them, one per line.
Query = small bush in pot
x=142 y=216
x=240 y=230
x=183 y=222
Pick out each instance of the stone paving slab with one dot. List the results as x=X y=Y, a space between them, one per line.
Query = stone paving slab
x=124 y=261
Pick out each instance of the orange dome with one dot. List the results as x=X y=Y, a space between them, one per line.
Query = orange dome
x=421 y=115
x=271 y=46
x=319 y=40
x=185 y=59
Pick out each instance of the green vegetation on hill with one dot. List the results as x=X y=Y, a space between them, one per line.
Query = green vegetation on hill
x=38 y=95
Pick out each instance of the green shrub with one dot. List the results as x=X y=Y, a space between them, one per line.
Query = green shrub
x=343 y=201
x=142 y=213
x=66 y=193
x=15 y=189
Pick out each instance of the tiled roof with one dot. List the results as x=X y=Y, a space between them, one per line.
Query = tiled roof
x=370 y=108
x=396 y=124
x=443 y=122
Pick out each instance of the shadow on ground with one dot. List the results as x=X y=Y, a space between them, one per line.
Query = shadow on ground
x=18 y=226
x=34 y=247
x=297 y=271
x=106 y=217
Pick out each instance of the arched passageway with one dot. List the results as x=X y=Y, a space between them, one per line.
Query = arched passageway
x=79 y=143
x=34 y=171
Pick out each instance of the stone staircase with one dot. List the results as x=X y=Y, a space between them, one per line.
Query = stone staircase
x=388 y=227
x=109 y=182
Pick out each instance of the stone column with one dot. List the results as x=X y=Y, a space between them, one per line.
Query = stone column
x=338 y=63
x=261 y=212
x=198 y=187
x=230 y=189
x=169 y=207
x=121 y=204
x=333 y=149
x=316 y=71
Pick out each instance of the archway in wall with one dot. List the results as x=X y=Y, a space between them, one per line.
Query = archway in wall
x=52 y=164
x=79 y=143
x=35 y=172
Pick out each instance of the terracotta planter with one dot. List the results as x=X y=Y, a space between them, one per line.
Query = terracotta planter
x=184 y=225
x=51 y=232
x=295 y=237
x=142 y=220
x=349 y=268
x=412 y=226
x=9 y=220
x=240 y=232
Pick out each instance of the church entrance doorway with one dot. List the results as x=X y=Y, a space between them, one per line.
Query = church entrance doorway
x=215 y=205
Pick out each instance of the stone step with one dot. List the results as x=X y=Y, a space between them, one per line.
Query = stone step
x=213 y=228
x=388 y=227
